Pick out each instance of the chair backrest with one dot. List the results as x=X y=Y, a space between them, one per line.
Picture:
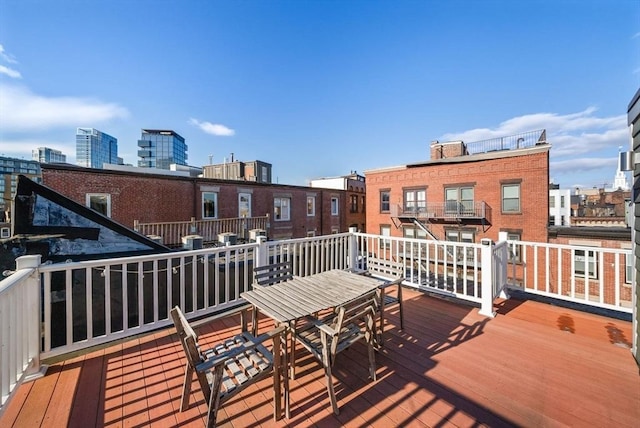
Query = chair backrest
x=188 y=337
x=354 y=321
x=385 y=269
x=272 y=274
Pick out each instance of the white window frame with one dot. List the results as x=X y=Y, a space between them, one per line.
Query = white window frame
x=244 y=209
x=518 y=198
x=281 y=209
x=90 y=196
x=5 y=232
x=590 y=257
x=207 y=196
x=334 y=205
x=629 y=266
x=311 y=206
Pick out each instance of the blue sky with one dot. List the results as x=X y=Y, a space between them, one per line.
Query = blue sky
x=321 y=88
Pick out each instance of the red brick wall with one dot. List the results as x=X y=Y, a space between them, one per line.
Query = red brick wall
x=154 y=198
x=486 y=175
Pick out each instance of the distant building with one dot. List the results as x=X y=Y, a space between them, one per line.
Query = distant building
x=95 y=148
x=160 y=148
x=559 y=206
x=48 y=155
x=257 y=171
x=355 y=186
x=620 y=181
x=10 y=169
x=466 y=192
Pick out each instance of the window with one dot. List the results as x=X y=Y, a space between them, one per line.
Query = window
x=552 y=220
x=561 y=201
x=459 y=199
x=209 y=205
x=628 y=268
x=415 y=200
x=5 y=232
x=585 y=263
x=511 y=198
x=385 y=231
x=244 y=204
x=264 y=172
x=362 y=199
x=100 y=202
x=385 y=198
x=562 y=220
x=311 y=206
x=281 y=209
x=467 y=236
x=311 y=233
x=354 y=203
x=334 y=206
x=414 y=232
x=515 y=253
x=552 y=201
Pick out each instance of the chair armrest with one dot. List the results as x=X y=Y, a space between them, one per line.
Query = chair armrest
x=253 y=342
x=245 y=306
x=389 y=283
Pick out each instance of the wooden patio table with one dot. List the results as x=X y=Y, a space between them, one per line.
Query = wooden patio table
x=300 y=297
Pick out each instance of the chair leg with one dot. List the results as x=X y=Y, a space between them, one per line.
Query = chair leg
x=186 y=387
x=327 y=373
x=379 y=332
x=400 y=305
x=214 y=398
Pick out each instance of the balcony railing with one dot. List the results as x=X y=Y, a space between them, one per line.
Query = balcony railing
x=512 y=142
x=84 y=304
x=173 y=232
x=450 y=210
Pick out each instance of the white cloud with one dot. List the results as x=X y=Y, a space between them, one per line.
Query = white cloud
x=23 y=110
x=6 y=57
x=571 y=134
x=10 y=72
x=213 y=128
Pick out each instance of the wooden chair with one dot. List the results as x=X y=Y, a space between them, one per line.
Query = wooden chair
x=230 y=366
x=325 y=339
x=267 y=275
x=392 y=274
x=272 y=274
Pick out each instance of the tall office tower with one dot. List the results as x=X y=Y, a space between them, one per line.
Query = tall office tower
x=48 y=155
x=161 y=148
x=95 y=148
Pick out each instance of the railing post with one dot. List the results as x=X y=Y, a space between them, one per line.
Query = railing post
x=262 y=252
x=486 y=260
x=32 y=294
x=504 y=262
x=352 y=261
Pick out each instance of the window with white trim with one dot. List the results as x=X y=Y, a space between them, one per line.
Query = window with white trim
x=385 y=231
x=100 y=202
x=311 y=206
x=511 y=198
x=415 y=200
x=334 y=206
x=209 y=205
x=244 y=204
x=281 y=209
x=628 y=267
x=585 y=263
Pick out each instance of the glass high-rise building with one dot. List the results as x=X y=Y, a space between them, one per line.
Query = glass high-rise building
x=161 y=148
x=48 y=155
x=95 y=148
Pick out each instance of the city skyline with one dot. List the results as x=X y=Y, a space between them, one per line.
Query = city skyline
x=371 y=83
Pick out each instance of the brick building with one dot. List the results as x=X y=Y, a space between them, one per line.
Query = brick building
x=464 y=196
x=126 y=196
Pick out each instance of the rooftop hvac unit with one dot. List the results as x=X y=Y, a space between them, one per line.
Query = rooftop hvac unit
x=228 y=238
x=254 y=233
x=192 y=242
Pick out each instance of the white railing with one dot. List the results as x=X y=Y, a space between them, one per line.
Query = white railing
x=593 y=276
x=453 y=269
x=94 y=302
x=173 y=232
x=19 y=327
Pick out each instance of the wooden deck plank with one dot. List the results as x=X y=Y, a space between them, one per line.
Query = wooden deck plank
x=534 y=364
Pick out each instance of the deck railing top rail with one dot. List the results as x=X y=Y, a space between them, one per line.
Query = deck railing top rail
x=512 y=142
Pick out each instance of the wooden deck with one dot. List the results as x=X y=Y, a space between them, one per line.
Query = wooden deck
x=533 y=365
